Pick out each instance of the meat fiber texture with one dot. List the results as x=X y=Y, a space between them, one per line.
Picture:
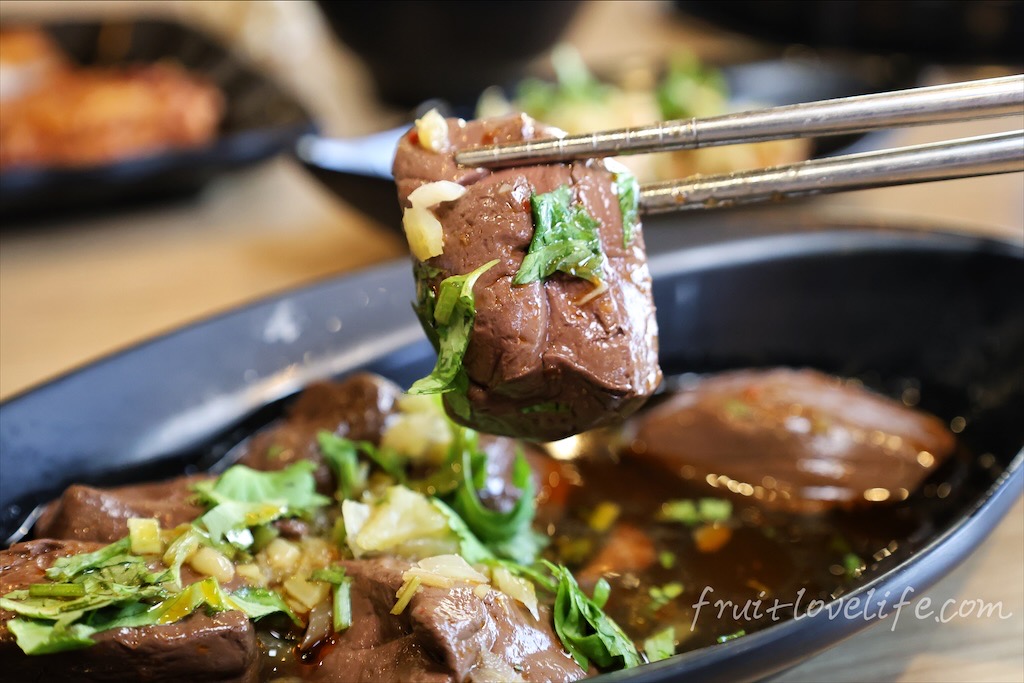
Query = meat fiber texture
x=540 y=344
x=445 y=635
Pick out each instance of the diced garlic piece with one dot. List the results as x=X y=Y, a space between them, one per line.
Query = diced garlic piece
x=307 y=593
x=210 y=562
x=427 y=578
x=423 y=232
x=403 y=515
x=481 y=590
x=420 y=436
x=430 y=195
x=354 y=516
x=432 y=130
x=144 y=536
x=517 y=588
x=252 y=574
x=453 y=567
x=282 y=555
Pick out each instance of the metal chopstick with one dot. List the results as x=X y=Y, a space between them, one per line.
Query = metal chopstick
x=957 y=101
x=967 y=157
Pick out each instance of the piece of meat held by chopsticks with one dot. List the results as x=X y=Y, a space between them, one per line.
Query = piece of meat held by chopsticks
x=532 y=283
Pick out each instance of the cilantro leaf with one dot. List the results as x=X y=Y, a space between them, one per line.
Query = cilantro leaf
x=509 y=534
x=261 y=602
x=565 y=239
x=628 y=190
x=39 y=638
x=342 y=456
x=470 y=547
x=586 y=632
x=661 y=645
x=452 y=323
x=66 y=568
x=687 y=85
x=293 y=486
x=343 y=460
x=244 y=498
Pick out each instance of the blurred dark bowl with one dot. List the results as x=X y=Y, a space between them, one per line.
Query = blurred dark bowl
x=260 y=120
x=944 y=31
x=418 y=50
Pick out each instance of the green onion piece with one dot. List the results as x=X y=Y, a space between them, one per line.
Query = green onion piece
x=705 y=510
x=56 y=590
x=628 y=190
x=732 y=636
x=342 y=607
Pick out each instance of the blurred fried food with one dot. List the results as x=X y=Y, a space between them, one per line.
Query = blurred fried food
x=27 y=57
x=69 y=116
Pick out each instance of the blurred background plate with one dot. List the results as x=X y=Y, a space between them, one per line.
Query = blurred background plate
x=358 y=171
x=260 y=120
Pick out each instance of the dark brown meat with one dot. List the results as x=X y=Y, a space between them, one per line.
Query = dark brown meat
x=201 y=648
x=536 y=344
x=355 y=408
x=85 y=513
x=443 y=635
x=794 y=439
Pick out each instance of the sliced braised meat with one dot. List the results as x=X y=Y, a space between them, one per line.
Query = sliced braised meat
x=443 y=635
x=202 y=647
x=355 y=408
x=545 y=359
x=794 y=439
x=85 y=513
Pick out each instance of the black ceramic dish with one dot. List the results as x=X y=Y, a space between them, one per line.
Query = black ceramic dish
x=888 y=306
x=260 y=120
x=359 y=171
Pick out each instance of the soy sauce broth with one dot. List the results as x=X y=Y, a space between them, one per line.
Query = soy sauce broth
x=768 y=555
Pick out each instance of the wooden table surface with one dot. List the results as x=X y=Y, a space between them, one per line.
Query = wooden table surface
x=76 y=289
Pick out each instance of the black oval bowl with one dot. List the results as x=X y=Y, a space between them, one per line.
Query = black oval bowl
x=260 y=121
x=881 y=304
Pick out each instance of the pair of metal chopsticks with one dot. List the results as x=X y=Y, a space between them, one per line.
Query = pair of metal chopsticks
x=960 y=158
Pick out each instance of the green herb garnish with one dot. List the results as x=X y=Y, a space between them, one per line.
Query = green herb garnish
x=705 y=510
x=687 y=84
x=662 y=595
x=452 y=319
x=565 y=239
x=661 y=645
x=341 y=593
x=628 y=190
x=244 y=498
x=546 y=407
x=110 y=588
x=586 y=632
x=509 y=534
x=732 y=636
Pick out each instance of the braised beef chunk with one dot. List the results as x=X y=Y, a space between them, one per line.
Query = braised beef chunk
x=355 y=408
x=85 y=513
x=794 y=439
x=203 y=648
x=442 y=635
x=556 y=356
